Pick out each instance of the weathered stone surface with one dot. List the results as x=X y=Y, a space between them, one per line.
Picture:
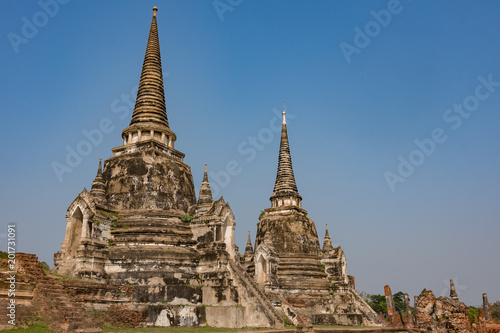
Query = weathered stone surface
x=424 y=309
x=288 y=232
x=389 y=301
x=393 y=316
x=486 y=307
x=453 y=291
x=410 y=321
x=223 y=316
x=147 y=176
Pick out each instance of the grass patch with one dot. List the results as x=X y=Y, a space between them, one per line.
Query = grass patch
x=34 y=328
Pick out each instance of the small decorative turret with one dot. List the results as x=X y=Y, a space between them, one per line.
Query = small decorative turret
x=248 y=247
x=327 y=242
x=149 y=120
x=285 y=189
x=98 y=189
x=205 y=199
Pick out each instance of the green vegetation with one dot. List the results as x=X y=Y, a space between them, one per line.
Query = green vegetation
x=473 y=311
x=110 y=215
x=33 y=328
x=40 y=328
x=187 y=218
x=261 y=214
x=45 y=266
x=399 y=302
x=95 y=221
x=379 y=305
x=4 y=255
x=322 y=266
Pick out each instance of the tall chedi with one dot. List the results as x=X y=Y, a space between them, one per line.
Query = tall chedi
x=290 y=265
x=147 y=172
x=131 y=221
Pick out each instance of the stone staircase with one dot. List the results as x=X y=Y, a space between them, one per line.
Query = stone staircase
x=246 y=281
x=371 y=318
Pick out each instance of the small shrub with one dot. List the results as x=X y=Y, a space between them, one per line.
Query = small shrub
x=187 y=218
x=45 y=266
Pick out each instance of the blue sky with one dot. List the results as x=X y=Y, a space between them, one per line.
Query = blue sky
x=353 y=117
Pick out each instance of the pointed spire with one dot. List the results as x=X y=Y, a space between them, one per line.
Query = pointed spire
x=285 y=188
x=150 y=112
x=205 y=175
x=327 y=242
x=205 y=197
x=150 y=102
x=98 y=189
x=453 y=291
x=248 y=247
x=99 y=169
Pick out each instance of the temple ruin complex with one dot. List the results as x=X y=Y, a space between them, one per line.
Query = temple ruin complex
x=142 y=226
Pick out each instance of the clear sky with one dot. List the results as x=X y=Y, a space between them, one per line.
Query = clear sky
x=393 y=120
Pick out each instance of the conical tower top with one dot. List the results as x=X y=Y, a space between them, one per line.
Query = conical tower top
x=98 y=189
x=149 y=119
x=285 y=189
x=248 y=247
x=205 y=197
x=327 y=242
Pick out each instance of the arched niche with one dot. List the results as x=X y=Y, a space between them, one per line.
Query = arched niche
x=261 y=270
x=75 y=231
x=228 y=235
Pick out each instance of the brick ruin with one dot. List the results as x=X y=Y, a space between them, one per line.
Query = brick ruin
x=64 y=304
x=442 y=314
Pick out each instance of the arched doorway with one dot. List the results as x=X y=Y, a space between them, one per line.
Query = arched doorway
x=261 y=269
x=75 y=231
x=227 y=232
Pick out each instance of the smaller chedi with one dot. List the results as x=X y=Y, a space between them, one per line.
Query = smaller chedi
x=290 y=266
x=141 y=225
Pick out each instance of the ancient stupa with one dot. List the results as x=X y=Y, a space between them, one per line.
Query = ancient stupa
x=289 y=264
